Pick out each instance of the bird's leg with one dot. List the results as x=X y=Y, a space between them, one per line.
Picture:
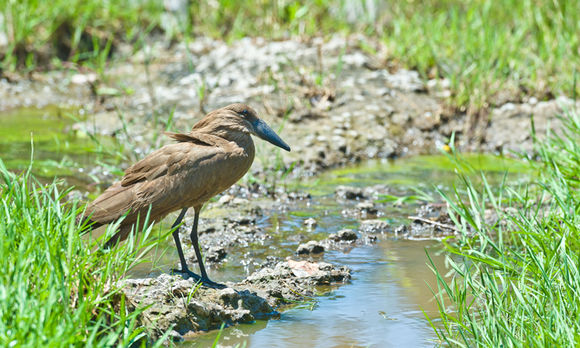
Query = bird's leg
x=194 y=240
x=184 y=268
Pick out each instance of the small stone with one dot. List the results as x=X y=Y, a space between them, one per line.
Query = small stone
x=367 y=208
x=345 y=235
x=80 y=79
x=349 y=192
x=310 y=223
x=175 y=336
x=225 y=199
x=371 y=239
x=374 y=226
x=312 y=247
x=215 y=254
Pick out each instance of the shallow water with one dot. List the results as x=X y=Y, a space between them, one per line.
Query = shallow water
x=45 y=140
x=390 y=292
x=381 y=306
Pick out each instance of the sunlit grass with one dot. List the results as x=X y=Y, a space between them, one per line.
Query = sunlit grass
x=56 y=288
x=516 y=277
x=490 y=51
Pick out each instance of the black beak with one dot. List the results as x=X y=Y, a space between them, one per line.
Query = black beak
x=265 y=132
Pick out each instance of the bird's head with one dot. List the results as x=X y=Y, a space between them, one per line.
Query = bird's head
x=241 y=117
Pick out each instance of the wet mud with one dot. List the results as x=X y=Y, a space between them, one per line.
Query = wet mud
x=334 y=102
x=182 y=307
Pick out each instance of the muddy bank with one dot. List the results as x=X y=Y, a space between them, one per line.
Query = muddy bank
x=335 y=102
x=185 y=308
x=272 y=268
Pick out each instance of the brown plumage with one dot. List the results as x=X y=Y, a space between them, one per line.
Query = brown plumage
x=204 y=162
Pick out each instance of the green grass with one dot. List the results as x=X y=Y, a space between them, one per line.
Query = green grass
x=43 y=32
x=490 y=51
x=487 y=48
x=57 y=289
x=516 y=279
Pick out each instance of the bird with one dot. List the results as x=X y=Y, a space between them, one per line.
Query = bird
x=213 y=156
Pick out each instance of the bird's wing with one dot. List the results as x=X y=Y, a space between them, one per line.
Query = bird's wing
x=163 y=180
x=191 y=145
x=194 y=137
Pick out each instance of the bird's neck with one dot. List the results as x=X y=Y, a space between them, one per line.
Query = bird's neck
x=239 y=138
x=228 y=130
x=243 y=140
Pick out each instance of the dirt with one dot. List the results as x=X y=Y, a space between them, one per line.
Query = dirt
x=334 y=103
x=182 y=308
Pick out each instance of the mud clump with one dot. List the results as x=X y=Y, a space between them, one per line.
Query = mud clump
x=344 y=192
x=431 y=221
x=362 y=210
x=350 y=193
x=182 y=306
x=312 y=247
x=345 y=235
x=292 y=281
x=374 y=226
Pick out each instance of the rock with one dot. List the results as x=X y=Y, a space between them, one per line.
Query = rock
x=172 y=302
x=349 y=192
x=345 y=235
x=312 y=247
x=374 y=226
x=510 y=125
x=215 y=254
x=310 y=223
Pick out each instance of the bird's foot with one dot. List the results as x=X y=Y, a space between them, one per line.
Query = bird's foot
x=204 y=280
x=186 y=273
x=211 y=284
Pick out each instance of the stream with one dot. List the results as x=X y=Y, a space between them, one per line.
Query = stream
x=389 y=294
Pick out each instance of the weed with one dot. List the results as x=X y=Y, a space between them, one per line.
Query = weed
x=57 y=288
x=515 y=276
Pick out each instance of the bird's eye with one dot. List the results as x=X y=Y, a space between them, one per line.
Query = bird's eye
x=244 y=112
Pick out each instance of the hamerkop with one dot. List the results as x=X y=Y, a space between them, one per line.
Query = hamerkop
x=204 y=162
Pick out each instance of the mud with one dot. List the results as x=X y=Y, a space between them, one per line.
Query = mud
x=336 y=105
x=184 y=308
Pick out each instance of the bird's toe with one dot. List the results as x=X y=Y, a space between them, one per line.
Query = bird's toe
x=186 y=274
x=211 y=284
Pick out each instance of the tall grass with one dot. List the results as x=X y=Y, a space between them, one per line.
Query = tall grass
x=516 y=278
x=490 y=51
x=57 y=289
x=39 y=31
